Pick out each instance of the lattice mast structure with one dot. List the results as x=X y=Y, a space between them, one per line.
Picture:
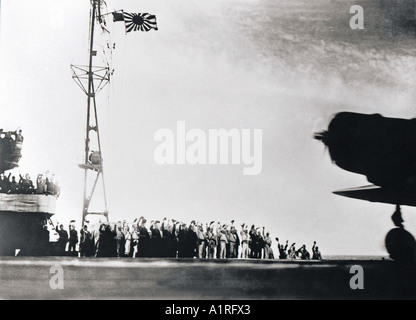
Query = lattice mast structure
x=91 y=79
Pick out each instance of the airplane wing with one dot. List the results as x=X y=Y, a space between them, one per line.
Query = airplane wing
x=374 y=193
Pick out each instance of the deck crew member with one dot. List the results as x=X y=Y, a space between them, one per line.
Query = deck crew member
x=268 y=252
x=63 y=239
x=244 y=242
x=223 y=242
x=282 y=249
x=85 y=243
x=73 y=239
x=316 y=255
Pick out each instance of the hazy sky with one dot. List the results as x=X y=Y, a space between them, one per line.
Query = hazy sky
x=284 y=67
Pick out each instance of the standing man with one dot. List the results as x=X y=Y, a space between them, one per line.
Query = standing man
x=200 y=241
x=128 y=238
x=292 y=251
x=14 y=186
x=134 y=240
x=304 y=254
x=282 y=249
x=268 y=252
x=212 y=242
x=73 y=239
x=244 y=242
x=234 y=242
x=63 y=239
x=223 y=240
x=40 y=184
x=144 y=239
x=85 y=245
x=316 y=255
x=119 y=237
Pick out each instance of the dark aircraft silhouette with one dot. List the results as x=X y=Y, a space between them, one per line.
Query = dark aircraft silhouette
x=384 y=150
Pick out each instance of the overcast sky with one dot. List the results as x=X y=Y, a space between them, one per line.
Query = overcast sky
x=285 y=67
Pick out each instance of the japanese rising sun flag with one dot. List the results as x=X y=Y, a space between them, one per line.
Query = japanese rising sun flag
x=136 y=21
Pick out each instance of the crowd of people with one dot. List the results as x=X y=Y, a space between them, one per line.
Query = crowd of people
x=44 y=184
x=174 y=239
x=169 y=238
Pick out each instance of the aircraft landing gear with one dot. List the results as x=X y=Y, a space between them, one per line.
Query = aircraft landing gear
x=400 y=244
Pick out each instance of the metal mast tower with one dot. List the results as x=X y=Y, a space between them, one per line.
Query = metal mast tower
x=91 y=79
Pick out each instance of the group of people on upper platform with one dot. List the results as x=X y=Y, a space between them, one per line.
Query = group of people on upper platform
x=44 y=184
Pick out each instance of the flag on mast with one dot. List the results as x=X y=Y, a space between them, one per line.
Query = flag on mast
x=117 y=16
x=136 y=21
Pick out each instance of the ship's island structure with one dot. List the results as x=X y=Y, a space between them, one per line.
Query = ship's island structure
x=25 y=209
